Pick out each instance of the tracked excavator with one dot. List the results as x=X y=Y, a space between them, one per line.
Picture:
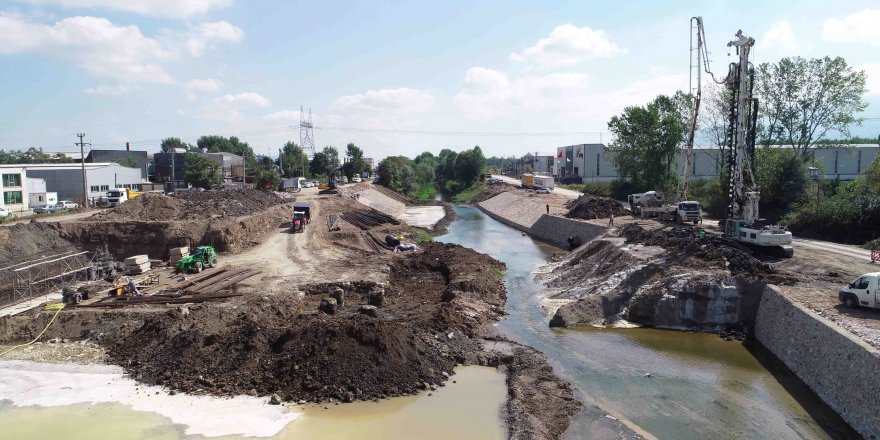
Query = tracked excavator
x=743 y=223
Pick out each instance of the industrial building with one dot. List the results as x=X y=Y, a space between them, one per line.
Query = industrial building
x=65 y=179
x=538 y=163
x=138 y=157
x=13 y=188
x=593 y=163
x=169 y=168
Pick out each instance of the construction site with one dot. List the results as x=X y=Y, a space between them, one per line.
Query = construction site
x=525 y=310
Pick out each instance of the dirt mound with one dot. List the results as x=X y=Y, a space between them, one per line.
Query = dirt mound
x=282 y=344
x=490 y=191
x=703 y=251
x=23 y=241
x=192 y=205
x=588 y=207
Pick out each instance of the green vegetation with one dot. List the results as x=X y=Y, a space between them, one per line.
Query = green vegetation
x=469 y=193
x=31 y=155
x=422 y=177
x=497 y=273
x=426 y=192
x=355 y=165
x=171 y=143
x=199 y=171
x=127 y=162
x=647 y=140
x=324 y=162
x=294 y=162
x=423 y=236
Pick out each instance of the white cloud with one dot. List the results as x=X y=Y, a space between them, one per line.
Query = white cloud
x=780 y=38
x=568 y=45
x=104 y=89
x=159 y=8
x=201 y=85
x=207 y=34
x=283 y=115
x=859 y=27
x=565 y=99
x=229 y=107
x=402 y=100
x=94 y=44
x=872 y=77
x=490 y=94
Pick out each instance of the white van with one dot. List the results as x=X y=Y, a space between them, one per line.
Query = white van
x=863 y=292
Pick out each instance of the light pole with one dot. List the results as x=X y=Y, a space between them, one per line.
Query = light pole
x=814 y=174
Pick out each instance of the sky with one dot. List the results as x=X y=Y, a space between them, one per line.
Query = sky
x=392 y=77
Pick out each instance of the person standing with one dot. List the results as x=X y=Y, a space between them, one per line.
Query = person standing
x=548 y=209
x=611 y=220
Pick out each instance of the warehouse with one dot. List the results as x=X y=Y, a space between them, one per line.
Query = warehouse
x=66 y=178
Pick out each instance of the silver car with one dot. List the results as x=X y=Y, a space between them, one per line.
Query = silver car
x=45 y=209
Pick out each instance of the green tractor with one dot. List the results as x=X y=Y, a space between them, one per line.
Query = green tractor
x=204 y=257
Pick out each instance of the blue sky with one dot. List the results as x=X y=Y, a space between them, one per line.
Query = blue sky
x=393 y=77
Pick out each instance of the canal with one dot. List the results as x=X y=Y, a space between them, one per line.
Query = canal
x=672 y=384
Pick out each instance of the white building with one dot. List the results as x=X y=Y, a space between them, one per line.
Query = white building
x=593 y=163
x=37 y=194
x=13 y=188
x=65 y=179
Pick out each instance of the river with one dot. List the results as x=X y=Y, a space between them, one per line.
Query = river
x=672 y=384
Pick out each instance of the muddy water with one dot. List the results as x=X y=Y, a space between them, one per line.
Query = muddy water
x=467 y=409
x=674 y=385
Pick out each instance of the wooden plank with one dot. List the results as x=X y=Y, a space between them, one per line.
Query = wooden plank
x=229 y=282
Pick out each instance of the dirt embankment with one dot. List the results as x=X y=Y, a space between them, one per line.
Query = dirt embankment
x=191 y=205
x=669 y=277
x=24 y=240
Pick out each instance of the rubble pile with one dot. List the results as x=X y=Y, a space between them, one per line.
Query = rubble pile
x=191 y=205
x=587 y=207
x=689 y=244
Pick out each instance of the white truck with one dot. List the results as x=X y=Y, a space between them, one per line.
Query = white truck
x=862 y=292
x=653 y=204
x=117 y=196
x=538 y=181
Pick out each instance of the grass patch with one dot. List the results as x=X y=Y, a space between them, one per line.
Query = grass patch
x=873 y=244
x=423 y=236
x=426 y=192
x=496 y=272
x=468 y=194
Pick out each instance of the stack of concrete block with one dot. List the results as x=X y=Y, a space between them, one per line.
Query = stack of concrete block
x=137 y=264
x=175 y=254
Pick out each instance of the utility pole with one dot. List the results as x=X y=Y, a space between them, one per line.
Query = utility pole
x=82 y=154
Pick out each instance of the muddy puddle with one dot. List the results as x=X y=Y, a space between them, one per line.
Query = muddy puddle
x=467 y=409
x=671 y=384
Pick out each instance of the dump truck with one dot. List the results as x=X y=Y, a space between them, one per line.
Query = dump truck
x=654 y=204
x=118 y=196
x=302 y=215
x=204 y=257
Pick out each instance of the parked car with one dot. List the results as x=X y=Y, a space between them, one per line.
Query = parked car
x=4 y=213
x=67 y=204
x=542 y=191
x=45 y=209
x=862 y=292
x=356 y=179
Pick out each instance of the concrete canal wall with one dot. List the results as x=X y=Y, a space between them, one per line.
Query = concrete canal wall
x=841 y=368
x=529 y=216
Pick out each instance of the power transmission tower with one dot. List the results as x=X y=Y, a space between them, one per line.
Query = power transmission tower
x=306 y=132
x=82 y=154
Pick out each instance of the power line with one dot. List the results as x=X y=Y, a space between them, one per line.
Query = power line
x=461 y=133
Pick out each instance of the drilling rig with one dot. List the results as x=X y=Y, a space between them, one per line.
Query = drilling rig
x=743 y=223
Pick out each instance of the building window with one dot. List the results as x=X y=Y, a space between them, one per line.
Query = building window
x=597 y=164
x=136 y=186
x=12 y=180
x=12 y=197
x=105 y=188
x=95 y=188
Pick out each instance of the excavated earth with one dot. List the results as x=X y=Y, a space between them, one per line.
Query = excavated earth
x=192 y=205
x=587 y=207
x=438 y=307
x=669 y=277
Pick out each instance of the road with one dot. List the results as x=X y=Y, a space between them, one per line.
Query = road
x=825 y=246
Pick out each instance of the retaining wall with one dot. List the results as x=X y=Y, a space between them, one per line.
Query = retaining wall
x=527 y=216
x=841 y=368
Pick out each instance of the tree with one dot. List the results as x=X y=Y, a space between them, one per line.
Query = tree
x=170 y=143
x=322 y=164
x=199 y=171
x=221 y=144
x=127 y=162
x=355 y=165
x=782 y=177
x=31 y=155
x=469 y=166
x=294 y=161
x=803 y=100
x=646 y=141
x=393 y=172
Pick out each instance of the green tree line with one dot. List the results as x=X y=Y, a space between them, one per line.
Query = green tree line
x=422 y=176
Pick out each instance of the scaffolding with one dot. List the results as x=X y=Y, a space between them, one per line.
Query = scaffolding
x=43 y=276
